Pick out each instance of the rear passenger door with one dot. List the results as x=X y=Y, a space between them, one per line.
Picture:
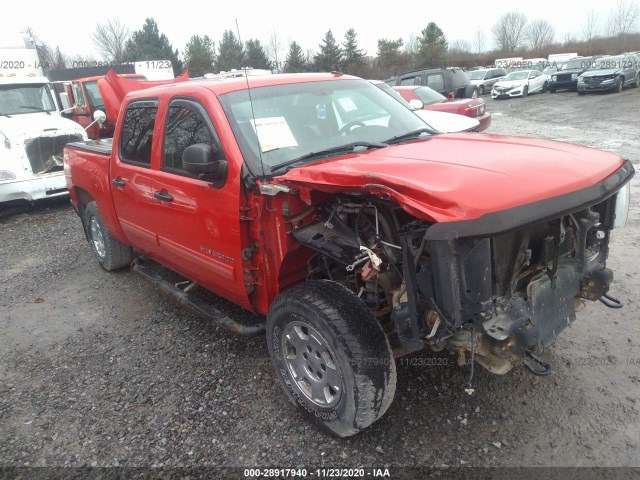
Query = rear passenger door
x=198 y=226
x=131 y=177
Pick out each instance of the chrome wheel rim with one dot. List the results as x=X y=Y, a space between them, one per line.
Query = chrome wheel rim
x=97 y=238
x=312 y=364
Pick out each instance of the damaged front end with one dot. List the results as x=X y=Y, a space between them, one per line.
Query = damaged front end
x=45 y=151
x=499 y=288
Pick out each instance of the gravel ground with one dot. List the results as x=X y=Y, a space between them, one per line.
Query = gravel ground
x=99 y=369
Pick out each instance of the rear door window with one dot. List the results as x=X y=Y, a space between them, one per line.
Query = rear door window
x=136 y=138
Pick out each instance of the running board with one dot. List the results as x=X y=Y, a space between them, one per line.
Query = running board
x=198 y=307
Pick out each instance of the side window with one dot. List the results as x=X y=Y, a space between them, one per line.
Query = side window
x=78 y=98
x=187 y=124
x=137 y=132
x=435 y=81
x=410 y=80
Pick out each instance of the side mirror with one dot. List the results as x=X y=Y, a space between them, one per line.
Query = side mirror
x=99 y=117
x=199 y=160
x=416 y=104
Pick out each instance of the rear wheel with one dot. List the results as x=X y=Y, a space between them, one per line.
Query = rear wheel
x=111 y=254
x=331 y=357
x=481 y=90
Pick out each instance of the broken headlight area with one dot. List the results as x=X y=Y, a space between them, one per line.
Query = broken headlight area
x=45 y=152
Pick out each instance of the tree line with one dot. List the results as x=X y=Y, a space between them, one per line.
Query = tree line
x=513 y=34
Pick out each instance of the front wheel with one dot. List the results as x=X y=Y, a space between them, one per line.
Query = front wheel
x=111 y=254
x=331 y=357
x=619 y=85
x=525 y=92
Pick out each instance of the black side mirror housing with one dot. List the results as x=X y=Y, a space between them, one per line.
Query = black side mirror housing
x=198 y=160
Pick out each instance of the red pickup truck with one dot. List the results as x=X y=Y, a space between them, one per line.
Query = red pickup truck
x=324 y=204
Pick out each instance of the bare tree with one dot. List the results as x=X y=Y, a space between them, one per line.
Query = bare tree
x=110 y=39
x=460 y=46
x=590 y=27
x=479 y=41
x=539 y=34
x=274 y=50
x=509 y=31
x=623 y=17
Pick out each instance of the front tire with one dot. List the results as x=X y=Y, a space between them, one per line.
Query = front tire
x=619 y=85
x=331 y=357
x=525 y=92
x=110 y=253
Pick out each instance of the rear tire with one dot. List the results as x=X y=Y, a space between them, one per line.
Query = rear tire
x=480 y=90
x=110 y=253
x=331 y=357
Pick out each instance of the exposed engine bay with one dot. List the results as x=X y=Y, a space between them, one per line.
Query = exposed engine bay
x=501 y=299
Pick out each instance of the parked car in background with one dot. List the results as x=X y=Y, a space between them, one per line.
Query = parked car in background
x=452 y=82
x=485 y=78
x=82 y=97
x=611 y=73
x=443 y=122
x=432 y=100
x=566 y=78
x=520 y=84
x=549 y=71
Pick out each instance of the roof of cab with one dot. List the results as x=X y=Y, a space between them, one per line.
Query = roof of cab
x=226 y=85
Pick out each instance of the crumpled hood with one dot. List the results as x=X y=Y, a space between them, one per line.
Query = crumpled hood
x=461 y=176
x=28 y=125
x=511 y=83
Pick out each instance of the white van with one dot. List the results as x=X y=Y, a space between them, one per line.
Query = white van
x=32 y=138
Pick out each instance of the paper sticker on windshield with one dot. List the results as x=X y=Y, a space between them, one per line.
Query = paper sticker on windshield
x=347 y=104
x=273 y=133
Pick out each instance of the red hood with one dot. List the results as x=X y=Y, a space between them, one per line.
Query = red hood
x=114 y=88
x=462 y=176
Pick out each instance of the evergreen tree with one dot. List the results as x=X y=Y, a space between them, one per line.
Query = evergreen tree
x=432 y=45
x=295 y=61
x=390 y=60
x=149 y=44
x=255 y=56
x=199 y=55
x=352 y=56
x=330 y=54
x=230 y=52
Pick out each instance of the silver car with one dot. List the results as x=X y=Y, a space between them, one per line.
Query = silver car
x=485 y=78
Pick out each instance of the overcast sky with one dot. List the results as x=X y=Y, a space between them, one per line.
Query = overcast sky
x=70 y=25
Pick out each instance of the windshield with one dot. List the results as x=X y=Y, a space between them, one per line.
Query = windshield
x=95 y=99
x=16 y=99
x=428 y=96
x=477 y=74
x=575 y=64
x=299 y=119
x=517 y=76
x=394 y=93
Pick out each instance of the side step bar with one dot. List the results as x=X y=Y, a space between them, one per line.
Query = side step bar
x=196 y=306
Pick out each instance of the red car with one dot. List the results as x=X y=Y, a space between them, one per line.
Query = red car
x=431 y=100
